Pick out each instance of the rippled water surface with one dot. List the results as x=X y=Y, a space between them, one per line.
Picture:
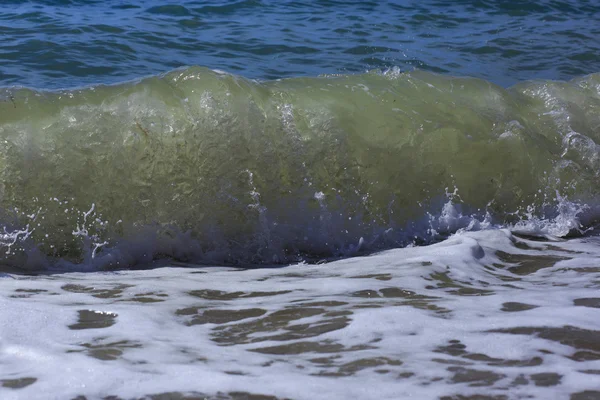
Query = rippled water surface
x=50 y=44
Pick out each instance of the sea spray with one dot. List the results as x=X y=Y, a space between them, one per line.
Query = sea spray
x=297 y=169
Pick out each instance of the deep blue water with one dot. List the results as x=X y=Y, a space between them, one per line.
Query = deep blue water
x=67 y=43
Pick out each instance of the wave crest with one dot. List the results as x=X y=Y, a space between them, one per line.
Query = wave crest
x=208 y=166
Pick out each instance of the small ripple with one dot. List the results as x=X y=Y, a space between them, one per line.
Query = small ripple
x=171 y=10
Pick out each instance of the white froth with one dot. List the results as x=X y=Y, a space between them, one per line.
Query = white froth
x=398 y=314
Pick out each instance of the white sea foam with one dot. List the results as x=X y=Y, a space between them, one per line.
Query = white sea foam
x=482 y=312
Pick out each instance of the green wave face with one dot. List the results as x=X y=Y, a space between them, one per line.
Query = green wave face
x=262 y=172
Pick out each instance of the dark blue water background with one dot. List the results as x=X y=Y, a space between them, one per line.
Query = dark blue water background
x=66 y=43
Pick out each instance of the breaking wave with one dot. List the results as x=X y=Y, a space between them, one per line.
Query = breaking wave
x=203 y=166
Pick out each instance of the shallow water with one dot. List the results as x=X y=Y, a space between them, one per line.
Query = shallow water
x=482 y=315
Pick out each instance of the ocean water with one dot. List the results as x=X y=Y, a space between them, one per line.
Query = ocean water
x=300 y=200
